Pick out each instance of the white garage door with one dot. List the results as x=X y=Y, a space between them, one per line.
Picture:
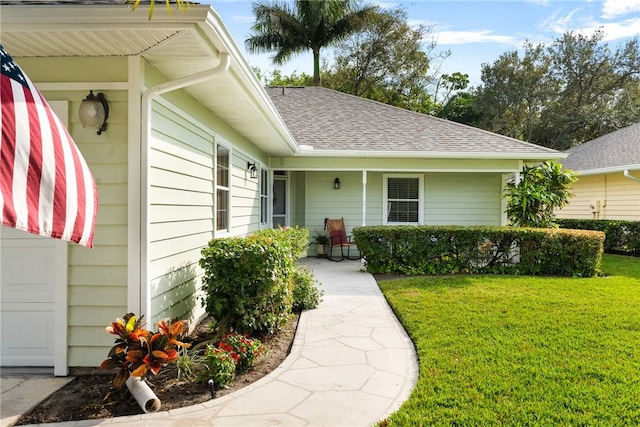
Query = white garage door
x=27 y=299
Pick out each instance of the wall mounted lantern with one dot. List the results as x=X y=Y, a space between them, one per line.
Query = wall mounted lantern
x=251 y=167
x=94 y=112
x=336 y=184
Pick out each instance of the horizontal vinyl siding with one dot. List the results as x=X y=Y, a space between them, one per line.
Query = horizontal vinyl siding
x=462 y=198
x=449 y=198
x=245 y=197
x=374 y=198
x=325 y=202
x=97 y=278
x=619 y=195
x=586 y=190
x=181 y=212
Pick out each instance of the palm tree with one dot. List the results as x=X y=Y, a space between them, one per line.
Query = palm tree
x=308 y=25
x=181 y=5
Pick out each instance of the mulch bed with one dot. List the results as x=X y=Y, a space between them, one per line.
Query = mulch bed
x=91 y=395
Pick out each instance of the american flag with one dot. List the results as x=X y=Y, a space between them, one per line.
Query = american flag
x=46 y=186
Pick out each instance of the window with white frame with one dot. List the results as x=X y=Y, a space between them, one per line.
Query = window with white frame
x=403 y=199
x=264 y=196
x=222 y=187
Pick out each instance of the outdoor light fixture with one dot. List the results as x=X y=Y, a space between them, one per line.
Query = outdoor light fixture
x=336 y=184
x=251 y=167
x=94 y=112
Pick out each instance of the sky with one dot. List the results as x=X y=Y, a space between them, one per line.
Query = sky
x=474 y=31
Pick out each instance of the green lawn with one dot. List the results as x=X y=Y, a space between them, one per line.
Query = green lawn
x=498 y=350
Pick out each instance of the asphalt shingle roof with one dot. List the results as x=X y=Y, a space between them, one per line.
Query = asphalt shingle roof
x=329 y=120
x=618 y=148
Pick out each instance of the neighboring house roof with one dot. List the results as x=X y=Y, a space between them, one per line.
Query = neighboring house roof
x=181 y=46
x=615 y=151
x=324 y=121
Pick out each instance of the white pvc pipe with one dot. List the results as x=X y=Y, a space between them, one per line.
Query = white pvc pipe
x=143 y=394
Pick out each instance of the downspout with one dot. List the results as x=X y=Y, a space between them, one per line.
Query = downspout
x=627 y=174
x=145 y=137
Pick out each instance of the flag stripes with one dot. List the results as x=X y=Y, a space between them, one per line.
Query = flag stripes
x=46 y=186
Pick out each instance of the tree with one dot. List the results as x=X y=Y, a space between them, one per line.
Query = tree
x=295 y=79
x=562 y=94
x=514 y=90
x=542 y=189
x=308 y=25
x=386 y=61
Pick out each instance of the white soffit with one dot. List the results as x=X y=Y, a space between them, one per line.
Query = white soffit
x=179 y=46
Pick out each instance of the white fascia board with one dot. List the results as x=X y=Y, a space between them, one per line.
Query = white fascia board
x=431 y=155
x=613 y=169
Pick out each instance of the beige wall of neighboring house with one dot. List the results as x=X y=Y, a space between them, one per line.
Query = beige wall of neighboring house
x=604 y=196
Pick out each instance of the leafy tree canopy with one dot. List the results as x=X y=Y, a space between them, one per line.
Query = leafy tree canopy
x=562 y=94
x=388 y=60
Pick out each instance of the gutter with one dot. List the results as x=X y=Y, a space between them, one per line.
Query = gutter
x=247 y=78
x=307 y=151
x=612 y=169
x=627 y=174
x=145 y=137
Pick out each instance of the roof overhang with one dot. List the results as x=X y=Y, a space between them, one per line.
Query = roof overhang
x=306 y=151
x=602 y=171
x=176 y=46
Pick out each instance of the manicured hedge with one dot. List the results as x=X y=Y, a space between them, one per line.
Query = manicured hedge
x=501 y=250
x=621 y=236
x=249 y=281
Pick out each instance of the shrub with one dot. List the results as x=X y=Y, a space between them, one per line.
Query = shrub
x=221 y=367
x=542 y=188
x=243 y=349
x=500 y=250
x=621 y=236
x=306 y=295
x=137 y=351
x=248 y=282
x=295 y=238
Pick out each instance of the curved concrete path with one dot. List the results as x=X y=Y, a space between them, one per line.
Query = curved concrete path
x=351 y=364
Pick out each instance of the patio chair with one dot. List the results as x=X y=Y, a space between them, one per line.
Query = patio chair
x=339 y=238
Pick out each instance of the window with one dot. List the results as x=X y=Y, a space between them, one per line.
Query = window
x=222 y=188
x=264 y=196
x=403 y=199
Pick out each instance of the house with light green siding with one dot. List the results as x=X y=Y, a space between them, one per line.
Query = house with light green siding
x=188 y=122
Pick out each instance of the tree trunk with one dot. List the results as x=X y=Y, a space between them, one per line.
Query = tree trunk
x=316 y=66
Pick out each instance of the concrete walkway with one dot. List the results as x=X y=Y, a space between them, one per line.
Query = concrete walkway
x=351 y=364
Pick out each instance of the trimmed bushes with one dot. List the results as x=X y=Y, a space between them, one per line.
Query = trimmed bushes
x=248 y=281
x=621 y=236
x=500 y=250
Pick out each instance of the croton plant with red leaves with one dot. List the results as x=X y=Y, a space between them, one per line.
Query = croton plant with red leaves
x=137 y=351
